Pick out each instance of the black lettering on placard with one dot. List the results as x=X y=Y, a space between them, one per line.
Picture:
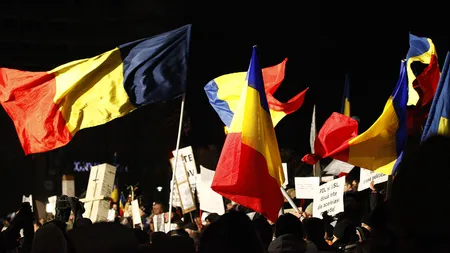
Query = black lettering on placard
x=322 y=190
x=191 y=173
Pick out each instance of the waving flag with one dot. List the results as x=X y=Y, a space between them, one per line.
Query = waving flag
x=122 y=203
x=379 y=146
x=439 y=118
x=249 y=171
x=49 y=108
x=224 y=93
x=422 y=50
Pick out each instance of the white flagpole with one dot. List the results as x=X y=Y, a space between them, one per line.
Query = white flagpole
x=180 y=127
x=288 y=198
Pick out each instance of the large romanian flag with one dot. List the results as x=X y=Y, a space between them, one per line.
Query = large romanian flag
x=422 y=50
x=249 y=171
x=438 y=122
x=375 y=149
x=48 y=108
x=224 y=93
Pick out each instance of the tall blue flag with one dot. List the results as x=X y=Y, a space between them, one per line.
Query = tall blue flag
x=438 y=121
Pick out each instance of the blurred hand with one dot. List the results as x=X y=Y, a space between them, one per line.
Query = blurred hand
x=372 y=186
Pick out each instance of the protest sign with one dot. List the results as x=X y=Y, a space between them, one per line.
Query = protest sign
x=210 y=200
x=28 y=199
x=186 y=155
x=68 y=185
x=367 y=176
x=306 y=187
x=183 y=186
x=329 y=197
x=101 y=181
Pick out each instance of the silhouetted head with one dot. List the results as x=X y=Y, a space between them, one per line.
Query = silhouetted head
x=232 y=232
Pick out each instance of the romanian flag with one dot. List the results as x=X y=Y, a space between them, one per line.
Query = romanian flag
x=346 y=98
x=249 y=171
x=424 y=84
x=378 y=147
x=438 y=121
x=48 y=108
x=224 y=93
x=115 y=192
x=422 y=87
x=122 y=203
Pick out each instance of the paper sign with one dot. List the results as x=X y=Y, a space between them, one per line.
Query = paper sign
x=176 y=196
x=327 y=178
x=183 y=186
x=68 y=185
x=111 y=215
x=306 y=187
x=28 y=199
x=329 y=197
x=158 y=223
x=210 y=200
x=187 y=199
x=187 y=156
x=52 y=202
x=367 y=176
x=101 y=181
x=286 y=181
x=136 y=213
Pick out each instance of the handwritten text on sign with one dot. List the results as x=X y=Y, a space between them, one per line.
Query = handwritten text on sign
x=329 y=197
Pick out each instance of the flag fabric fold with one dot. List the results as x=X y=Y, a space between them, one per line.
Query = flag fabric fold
x=438 y=122
x=224 y=93
x=48 y=108
x=249 y=171
x=422 y=50
x=379 y=146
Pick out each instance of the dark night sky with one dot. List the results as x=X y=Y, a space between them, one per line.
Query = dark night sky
x=322 y=39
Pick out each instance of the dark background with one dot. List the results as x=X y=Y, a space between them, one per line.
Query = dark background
x=322 y=39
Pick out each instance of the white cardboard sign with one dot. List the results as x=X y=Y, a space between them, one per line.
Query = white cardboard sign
x=329 y=197
x=367 y=176
x=101 y=181
x=306 y=187
x=187 y=156
x=210 y=200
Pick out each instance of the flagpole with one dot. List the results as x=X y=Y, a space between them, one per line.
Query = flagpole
x=291 y=202
x=177 y=149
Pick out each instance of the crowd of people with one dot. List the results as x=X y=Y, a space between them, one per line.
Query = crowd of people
x=371 y=222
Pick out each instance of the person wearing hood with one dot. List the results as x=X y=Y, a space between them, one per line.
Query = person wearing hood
x=288 y=236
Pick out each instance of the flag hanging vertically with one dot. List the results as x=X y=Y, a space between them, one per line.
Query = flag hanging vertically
x=115 y=192
x=379 y=146
x=346 y=97
x=48 y=108
x=312 y=139
x=422 y=50
x=122 y=202
x=224 y=92
x=438 y=121
x=249 y=171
